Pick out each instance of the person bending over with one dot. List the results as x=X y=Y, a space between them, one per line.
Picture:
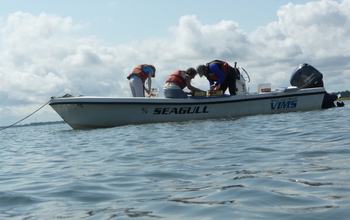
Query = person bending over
x=179 y=80
x=138 y=77
x=220 y=75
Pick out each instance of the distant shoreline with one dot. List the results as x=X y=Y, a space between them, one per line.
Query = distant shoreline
x=36 y=124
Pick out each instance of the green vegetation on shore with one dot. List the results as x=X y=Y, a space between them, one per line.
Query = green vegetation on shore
x=345 y=95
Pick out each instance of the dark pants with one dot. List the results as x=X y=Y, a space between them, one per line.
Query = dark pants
x=230 y=82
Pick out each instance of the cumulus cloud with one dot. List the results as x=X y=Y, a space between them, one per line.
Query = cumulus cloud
x=195 y=40
x=315 y=33
x=41 y=56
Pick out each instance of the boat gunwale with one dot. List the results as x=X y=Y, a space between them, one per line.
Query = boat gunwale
x=163 y=101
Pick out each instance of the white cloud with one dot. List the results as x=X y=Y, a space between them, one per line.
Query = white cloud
x=41 y=56
x=316 y=33
x=196 y=41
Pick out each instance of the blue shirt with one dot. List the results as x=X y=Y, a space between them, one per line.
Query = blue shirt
x=215 y=69
x=148 y=69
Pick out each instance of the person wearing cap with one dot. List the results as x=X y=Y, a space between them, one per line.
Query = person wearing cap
x=220 y=75
x=179 y=80
x=138 y=77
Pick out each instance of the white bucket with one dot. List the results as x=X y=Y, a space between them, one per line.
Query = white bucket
x=264 y=87
x=154 y=93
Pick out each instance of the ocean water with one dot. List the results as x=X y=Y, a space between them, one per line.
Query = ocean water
x=281 y=166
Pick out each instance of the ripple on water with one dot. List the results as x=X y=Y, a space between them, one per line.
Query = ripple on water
x=283 y=166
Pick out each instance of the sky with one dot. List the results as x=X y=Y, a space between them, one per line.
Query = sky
x=53 y=48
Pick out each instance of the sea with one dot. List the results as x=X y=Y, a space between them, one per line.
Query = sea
x=281 y=166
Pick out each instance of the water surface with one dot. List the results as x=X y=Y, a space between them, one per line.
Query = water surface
x=281 y=166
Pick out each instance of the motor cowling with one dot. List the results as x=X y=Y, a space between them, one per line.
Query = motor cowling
x=306 y=76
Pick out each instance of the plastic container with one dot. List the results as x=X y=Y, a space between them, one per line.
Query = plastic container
x=154 y=93
x=215 y=92
x=264 y=87
x=199 y=94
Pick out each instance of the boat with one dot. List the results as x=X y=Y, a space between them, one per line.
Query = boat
x=86 y=112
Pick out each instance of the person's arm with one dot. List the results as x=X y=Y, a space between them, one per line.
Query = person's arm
x=149 y=82
x=215 y=69
x=211 y=82
x=149 y=70
x=190 y=87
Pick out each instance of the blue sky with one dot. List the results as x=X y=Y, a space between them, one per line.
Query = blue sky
x=51 y=48
x=121 y=21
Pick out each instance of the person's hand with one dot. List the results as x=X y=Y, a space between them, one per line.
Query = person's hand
x=212 y=87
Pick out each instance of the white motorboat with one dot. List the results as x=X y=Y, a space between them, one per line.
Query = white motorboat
x=82 y=112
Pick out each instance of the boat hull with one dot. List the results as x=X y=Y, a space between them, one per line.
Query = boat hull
x=99 y=112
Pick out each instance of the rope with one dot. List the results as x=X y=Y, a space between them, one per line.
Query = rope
x=26 y=117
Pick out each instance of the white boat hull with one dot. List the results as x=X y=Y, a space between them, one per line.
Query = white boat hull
x=98 y=112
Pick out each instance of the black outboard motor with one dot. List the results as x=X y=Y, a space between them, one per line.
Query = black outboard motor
x=306 y=76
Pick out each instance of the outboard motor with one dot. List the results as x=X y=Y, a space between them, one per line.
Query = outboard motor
x=306 y=76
